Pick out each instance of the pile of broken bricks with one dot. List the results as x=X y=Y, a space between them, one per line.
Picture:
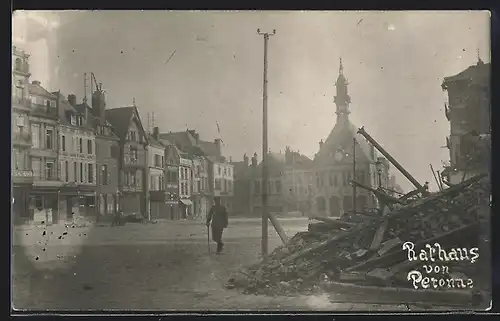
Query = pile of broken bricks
x=366 y=249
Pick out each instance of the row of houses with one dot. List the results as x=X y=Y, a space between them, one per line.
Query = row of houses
x=74 y=159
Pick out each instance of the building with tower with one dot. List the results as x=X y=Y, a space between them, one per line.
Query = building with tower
x=333 y=168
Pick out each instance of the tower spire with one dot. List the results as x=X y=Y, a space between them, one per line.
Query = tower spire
x=342 y=98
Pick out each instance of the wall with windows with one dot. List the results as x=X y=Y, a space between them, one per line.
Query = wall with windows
x=185 y=178
x=77 y=156
x=223 y=178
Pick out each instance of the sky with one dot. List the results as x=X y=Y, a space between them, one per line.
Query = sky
x=395 y=63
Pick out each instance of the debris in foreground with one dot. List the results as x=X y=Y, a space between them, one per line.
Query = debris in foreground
x=367 y=250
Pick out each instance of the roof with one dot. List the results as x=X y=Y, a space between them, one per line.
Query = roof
x=341 y=138
x=152 y=141
x=119 y=118
x=275 y=164
x=65 y=108
x=477 y=74
x=184 y=141
x=208 y=148
x=38 y=90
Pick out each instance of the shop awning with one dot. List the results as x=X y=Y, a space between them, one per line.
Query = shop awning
x=186 y=202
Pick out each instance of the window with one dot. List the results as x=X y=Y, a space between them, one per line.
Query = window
x=132 y=179
x=73 y=120
x=335 y=182
x=63 y=143
x=49 y=133
x=18 y=64
x=16 y=158
x=278 y=187
x=19 y=124
x=257 y=187
x=219 y=170
x=162 y=161
x=132 y=136
x=66 y=171
x=133 y=154
x=75 y=172
x=157 y=160
x=225 y=171
x=104 y=175
x=199 y=186
x=162 y=183
x=81 y=172
x=89 y=147
x=35 y=166
x=48 y=104
x=80 y=145
x=35 y=135
x=49 y=170
x=33 y=100
x=90 y=172
x=217 y=183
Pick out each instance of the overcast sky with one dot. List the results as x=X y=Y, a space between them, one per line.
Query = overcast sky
x=395 y=63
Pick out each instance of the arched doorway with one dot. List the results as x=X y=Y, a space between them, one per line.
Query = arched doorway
x=321 y=204
x=334 y=206
x=347 y=203
x=361 y=202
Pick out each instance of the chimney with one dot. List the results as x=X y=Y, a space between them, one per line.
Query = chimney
x=36 y=82
x=321 y=144
x=99 y=106
x=254 y=160
x=156 y=133
x=218 y=146
x=72 y=100
x=245 y=160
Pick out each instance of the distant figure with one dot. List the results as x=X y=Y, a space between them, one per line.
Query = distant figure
x=218 y=217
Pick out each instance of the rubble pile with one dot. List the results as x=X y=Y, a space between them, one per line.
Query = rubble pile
x=367 y=249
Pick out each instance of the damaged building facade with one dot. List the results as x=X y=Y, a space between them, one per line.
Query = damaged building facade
x=468 y=111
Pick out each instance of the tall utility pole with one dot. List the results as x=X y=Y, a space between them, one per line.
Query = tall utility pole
x=265 y=173
x=354 y=175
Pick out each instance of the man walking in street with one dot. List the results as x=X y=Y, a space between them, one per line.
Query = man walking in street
x=218 y=217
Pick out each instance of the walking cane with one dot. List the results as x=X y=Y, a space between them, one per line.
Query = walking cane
x=208 y=238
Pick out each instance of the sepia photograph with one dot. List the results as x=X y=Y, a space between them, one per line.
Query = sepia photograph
x=256 y=161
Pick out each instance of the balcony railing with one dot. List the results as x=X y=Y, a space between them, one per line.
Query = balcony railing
x=21 y=101
x=22 y=173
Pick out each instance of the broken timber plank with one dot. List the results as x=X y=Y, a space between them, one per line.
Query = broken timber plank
x=379 y=235
x=333 y=222
x=278 y=228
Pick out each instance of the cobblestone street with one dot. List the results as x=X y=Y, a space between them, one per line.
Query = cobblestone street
x=164 y=266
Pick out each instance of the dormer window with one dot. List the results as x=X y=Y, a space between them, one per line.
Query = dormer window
x=73 y=120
